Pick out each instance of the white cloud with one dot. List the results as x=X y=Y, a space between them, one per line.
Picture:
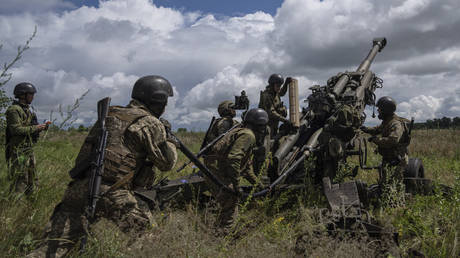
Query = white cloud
x=209 y=60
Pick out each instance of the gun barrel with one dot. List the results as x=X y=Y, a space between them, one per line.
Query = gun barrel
x=378 y=45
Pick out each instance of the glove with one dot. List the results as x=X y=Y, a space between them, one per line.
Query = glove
x=283 y=110
x=364 y=129
x=166 y=124
x=288 y=80
x=169 y=136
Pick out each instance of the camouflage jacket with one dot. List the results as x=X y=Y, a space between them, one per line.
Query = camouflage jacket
x=234 y=156
x=137 y=142
x=394 y=137
x=220 y=126
x=20 y=128
x=270 y=101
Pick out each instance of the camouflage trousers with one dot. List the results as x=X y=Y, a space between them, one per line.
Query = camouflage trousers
x=391 y=181
x=68 y=224
x=22 y=172
x=228 y=203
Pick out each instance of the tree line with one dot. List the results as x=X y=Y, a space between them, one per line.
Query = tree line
x=439 y=123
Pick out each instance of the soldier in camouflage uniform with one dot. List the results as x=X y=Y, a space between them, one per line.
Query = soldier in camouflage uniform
x=225 y=122
x=392 y=140
x=232 y=156
x=22 y=131
x=270 y=101
x=137 y=144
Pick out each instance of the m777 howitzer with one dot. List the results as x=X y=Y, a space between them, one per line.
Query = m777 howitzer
x=335 y=111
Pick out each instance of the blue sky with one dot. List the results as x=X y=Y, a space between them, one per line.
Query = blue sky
x=210 y=52
x=218 y=7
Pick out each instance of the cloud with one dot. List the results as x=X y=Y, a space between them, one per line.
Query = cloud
x=34 y=6
x=210 y=59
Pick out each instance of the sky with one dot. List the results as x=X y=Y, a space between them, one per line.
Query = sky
x=210 y=52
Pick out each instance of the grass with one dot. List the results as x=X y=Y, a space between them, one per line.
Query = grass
x=286 y=226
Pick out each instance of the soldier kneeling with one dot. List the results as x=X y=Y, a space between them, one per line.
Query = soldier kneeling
x=231 y=157
x=136 y=144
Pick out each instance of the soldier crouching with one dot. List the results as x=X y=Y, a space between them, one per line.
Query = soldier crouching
x=392 y=139
x=232 y=158
x=136 y=144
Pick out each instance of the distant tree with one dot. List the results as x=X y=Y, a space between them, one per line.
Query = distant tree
x=456 y=122
x=82 y=128
x=445 y=122
x=182 y=130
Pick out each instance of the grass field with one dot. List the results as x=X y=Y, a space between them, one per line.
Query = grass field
x=267 y=227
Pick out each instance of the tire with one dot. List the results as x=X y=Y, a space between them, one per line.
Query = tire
x=415 y=168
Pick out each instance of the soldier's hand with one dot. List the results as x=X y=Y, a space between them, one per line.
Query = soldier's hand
x=288 y=80
x=364 y=129
x=166 y=124
x=42 y=127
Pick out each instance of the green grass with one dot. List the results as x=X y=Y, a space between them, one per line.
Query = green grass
x=278 y=227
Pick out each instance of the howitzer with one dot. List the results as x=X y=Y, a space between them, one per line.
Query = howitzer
x=337 y=108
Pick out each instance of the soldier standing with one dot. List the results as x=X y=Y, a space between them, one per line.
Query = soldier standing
x=232 y=155
x=270 y=101
x=22 y=132
x=225 y=122
x=392 y=139
x=137 y=144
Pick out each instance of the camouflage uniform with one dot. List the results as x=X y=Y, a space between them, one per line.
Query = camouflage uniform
x=392 y=144
x=21 y=135
x=231 y=157
x=270 y=101
x=220 y=126
x=136 y=144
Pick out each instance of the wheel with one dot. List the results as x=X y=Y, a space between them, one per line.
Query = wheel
x=415 y=168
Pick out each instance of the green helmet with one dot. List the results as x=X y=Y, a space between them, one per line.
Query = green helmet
x=226 y=108
x=275 y=79
x=152 y=89
x=23 y=88
x=387 y=105
x=256 y=116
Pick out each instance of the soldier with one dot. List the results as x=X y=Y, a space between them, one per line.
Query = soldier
x=137 y=143
x=232 y=155
x=225 y=122
x=22 y=132
x=270 y=101
x=392 y=139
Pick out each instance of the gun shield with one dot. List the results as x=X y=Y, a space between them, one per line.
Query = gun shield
x=294 y=114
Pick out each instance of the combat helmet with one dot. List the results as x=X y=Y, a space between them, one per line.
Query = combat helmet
x=226 y=108
x=275 y=79
x=387 y=105
x=24 y=88
x=152 y=89
x=256 y=116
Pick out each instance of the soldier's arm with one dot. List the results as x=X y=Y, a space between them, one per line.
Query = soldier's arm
x=14 y=121
x=284 y=89
x=393 y=138
x=374 y=130
x=271 y=111
x=239 y=153
x=150 y=133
